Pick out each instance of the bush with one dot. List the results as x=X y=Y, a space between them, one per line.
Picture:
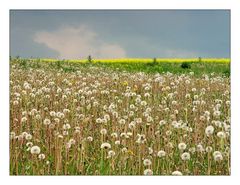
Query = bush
x=89 y=59
x=227 y=72
x=154 y=61
x=23 y=63
x=186 y=65
x=59 y=64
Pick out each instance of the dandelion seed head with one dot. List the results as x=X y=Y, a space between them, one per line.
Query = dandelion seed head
x=221 y=135
x=209 y=130
x=29 y=144
x=103 y=131
x=46 y=121
x=177 y=173
x=161 y=153
x=217 y=156
x=122 y=121
x=148 y=172
x=41 y=156
x=124 y=150
x=111 y=154
x=35 y=150
x=182 y=146
x=147 y=162
x=150 y=151
x=209 y=149
x=28 y=137
x=200 y=148
x=66 y=126
x=185 y=156
x=105 y=146
x=117 y=142
x=90 y=139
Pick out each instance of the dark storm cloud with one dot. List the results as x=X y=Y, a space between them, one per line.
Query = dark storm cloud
x=109 y=34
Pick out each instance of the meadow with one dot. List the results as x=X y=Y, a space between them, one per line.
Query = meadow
x=160 y=65
x=120 y=117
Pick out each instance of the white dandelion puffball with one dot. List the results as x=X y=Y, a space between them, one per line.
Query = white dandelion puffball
x=60 y=136
x=28 y=137
x=103 y=131
x=35 y=150
x=161 y=153
x=89 y=138
x=114 y=135
x=72 y=141
x=53 y=113
x=177 y=173
x=24 y=119
x=105 y=145
x=168 y=132
x=200 y=148
x=208 y=149
x=221 y=135
x=147 y=162
x=46 y=122
x=65 y=133
x=117 y=142
x=122 y=121
x=217 y=156
x=111 y=154
x=162 y=122
x=68 y=145
x=124 y=150
x=150 y=150
x=185 y=156
x=12 y=135
x=24 y=134
x=66 y=126
x=192 y=150
x=41 y=156
x=148 y=172
x=29 y=144
x=182 y=146
x=209 y=130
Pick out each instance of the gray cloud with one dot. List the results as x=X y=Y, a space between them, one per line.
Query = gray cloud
x=78 y=42
x=115 y=34
x=179 y=53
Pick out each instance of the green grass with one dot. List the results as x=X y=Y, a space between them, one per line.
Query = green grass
x=205 y=66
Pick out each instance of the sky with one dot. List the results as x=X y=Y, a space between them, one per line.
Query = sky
x=75 y=34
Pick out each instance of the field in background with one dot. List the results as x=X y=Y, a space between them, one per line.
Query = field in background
x=148 y=60
x=176 y=66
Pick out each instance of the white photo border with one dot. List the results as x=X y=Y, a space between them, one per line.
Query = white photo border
x=233 y=5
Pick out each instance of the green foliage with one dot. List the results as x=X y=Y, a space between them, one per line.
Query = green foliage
x=198 y=68
x=199 y=59
x=59 y=64
x=186 y=65
x=89 y=59
x=227 y=72
x=23 y=63
x=154 y=61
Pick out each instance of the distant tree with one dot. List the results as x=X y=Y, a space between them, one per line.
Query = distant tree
x=199 y=59
x=59 y=64
x=89 y=59
x=154 y=61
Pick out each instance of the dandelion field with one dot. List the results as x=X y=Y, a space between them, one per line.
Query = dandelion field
x=100 y=119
